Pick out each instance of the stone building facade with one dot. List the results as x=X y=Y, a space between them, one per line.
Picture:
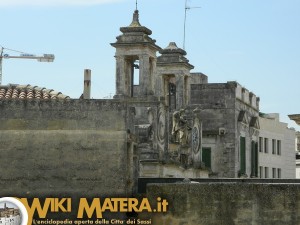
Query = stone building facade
x=10 y=216
x=230 y=128
x=171 y=123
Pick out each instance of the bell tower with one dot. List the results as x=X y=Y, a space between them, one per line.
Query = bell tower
x=135 y=60
x=173 y=72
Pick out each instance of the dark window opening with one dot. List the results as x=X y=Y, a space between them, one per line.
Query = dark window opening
x=254 y=159
x=172 y=96
x=242 y=155
x=206 y=157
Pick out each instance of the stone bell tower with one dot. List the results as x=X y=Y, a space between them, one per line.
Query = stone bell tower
x=135 y=56
x=173 y=73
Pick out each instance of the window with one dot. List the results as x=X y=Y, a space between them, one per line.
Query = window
x=260 y=144
x=206 y=157
x=261 y=172
x=266 y=145
x=243 y=155
x=278 y=147
x=279 y=173
x=172 y=96
x=266 y=172
x=273 y=146
x=254 y=159
x=273 y=172
x=135 y=76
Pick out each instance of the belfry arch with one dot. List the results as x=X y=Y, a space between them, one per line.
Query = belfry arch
x=135 y=56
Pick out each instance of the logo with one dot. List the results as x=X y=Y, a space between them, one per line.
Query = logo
x=12 y=212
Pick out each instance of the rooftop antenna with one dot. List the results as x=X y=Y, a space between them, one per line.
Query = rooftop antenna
x=186 y=7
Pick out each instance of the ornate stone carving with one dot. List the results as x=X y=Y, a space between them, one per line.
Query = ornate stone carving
x=161 y=131
x=196 y=132
x=195 y=139
x=180 y=128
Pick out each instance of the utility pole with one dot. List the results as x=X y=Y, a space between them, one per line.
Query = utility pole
x=1 y=54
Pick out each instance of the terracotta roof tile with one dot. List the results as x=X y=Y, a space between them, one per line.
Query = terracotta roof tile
x=16 y=91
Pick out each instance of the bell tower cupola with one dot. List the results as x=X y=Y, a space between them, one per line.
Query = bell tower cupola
x=135 y=60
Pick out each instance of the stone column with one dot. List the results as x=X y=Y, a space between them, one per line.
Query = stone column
x=120 y=77
x=145 y=76
x=188 y=89
x=180 y=89
x=152 y=74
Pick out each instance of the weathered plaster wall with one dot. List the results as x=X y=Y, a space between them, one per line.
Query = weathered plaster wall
x=217 y=110
x=199 y=78
x=62 y=146
x=228 y=204
x=220 y=105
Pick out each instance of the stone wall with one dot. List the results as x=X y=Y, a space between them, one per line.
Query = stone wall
x=221 y=106
x=217 y=104
x=227 y=203
x=199 y=78
x=63 y=146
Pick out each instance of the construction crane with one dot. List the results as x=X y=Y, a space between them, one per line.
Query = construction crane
x=43 y=58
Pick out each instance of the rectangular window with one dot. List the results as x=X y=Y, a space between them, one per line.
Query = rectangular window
x=261 y=144
x=172 y=96
x=279 y=173
x=266 y=140
x=243 y=155
x=254 y=159
x=206 y=157
x=261 y=172
x=273 y=146
x=278 y=147
x=274 y=173
x=266 y=172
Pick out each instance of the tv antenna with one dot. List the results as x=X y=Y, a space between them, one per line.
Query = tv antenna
x=186 y=8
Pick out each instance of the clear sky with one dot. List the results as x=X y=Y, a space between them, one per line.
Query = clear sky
x=256 y=43
x=8 y=204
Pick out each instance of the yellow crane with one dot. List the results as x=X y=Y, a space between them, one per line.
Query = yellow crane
x=42 y=58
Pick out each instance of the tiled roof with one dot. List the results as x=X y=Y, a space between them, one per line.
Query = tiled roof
x=15 y=91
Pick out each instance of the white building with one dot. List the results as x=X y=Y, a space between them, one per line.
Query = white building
x=276 y=148
x=298 y=155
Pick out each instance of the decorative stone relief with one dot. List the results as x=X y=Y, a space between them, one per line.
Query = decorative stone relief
x=196 y=132
x=195 y=139
x=161 y=131
x=180 y=128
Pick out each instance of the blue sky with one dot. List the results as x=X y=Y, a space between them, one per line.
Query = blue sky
x=8 y=204
x=255 y=43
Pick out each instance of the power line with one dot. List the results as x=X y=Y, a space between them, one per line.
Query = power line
x=12 y=50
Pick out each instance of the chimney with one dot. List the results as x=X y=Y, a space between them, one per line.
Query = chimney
x=87 y=84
